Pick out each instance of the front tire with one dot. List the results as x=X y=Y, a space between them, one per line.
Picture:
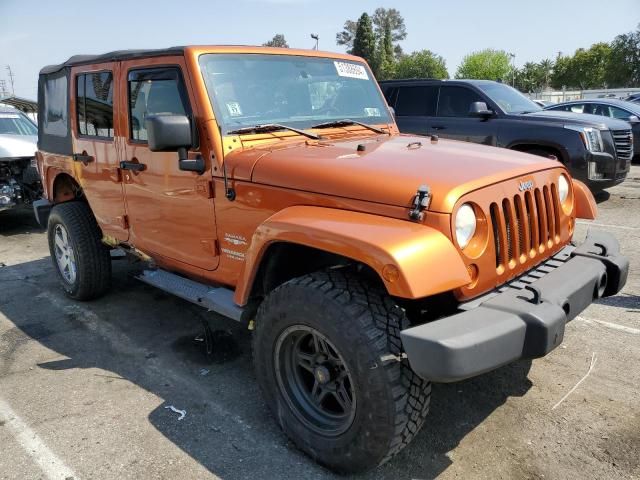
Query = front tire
x=81 y=260
x=329 y=360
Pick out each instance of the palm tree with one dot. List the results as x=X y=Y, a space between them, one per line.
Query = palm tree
x=546 y=67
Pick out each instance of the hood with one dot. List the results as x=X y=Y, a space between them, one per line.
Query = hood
x=390 y=169
x=12 y=146
x=583 y=119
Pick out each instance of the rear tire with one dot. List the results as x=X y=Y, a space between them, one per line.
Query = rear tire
x=373 y=403
x=81 y=260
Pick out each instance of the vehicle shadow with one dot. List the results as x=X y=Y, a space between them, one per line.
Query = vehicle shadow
x=141 y=335
x=622 y=300
x=18 y=221
x=601 y=196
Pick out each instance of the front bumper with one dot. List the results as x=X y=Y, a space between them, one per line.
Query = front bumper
x=523 y=319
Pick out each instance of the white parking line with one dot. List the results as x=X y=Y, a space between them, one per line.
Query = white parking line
x=613 y=326
x=52 y=467
x=606 y=225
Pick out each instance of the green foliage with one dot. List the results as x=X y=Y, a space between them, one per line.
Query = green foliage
x=364 y=42
x=486 y=64
x=278 y=40
x=381 y=19
x=385 y=61
x=422 y=64
x=624 y=61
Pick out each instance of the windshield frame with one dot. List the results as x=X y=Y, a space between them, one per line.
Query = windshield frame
x=486 y=89
x=385 y=118
x=22 y=118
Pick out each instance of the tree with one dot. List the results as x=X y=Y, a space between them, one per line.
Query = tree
x=486 y=64
x=385 y=61
x=546 y=70
x=422 y=64
x=624 y=61
x=364 y=42
x=278 y=40
x=587 y=68
x=380 y=19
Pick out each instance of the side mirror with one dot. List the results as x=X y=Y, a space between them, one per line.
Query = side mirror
x=480 y=109
x=633 y=119
x=172 y=133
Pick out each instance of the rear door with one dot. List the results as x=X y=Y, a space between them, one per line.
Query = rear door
x=415 y=108
x=170 y=211
x=453 y=120
x=96 y=151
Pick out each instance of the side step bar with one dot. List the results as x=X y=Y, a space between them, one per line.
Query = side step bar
x=219 y=300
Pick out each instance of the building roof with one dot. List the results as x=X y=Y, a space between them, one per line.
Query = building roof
x=22 y=104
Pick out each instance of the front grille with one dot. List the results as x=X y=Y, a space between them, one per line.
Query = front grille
x=525 y=225
x=623 y=141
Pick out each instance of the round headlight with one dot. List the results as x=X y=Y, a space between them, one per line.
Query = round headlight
x=563 y=188
x=465 y=225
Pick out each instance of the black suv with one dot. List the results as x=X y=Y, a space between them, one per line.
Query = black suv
x=595 y=149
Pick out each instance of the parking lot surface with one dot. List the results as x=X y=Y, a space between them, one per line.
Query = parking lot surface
x=85 y=387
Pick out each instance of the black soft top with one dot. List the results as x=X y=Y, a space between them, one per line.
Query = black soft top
x=112 y=57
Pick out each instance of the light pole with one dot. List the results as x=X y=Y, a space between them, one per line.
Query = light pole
x=316 y=37
x=512 y=56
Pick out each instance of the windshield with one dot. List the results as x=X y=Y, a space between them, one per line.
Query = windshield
x=254 y=89
x=16 y=124
x=509 y=99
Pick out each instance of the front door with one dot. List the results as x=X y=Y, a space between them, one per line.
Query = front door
x=96 y=152
x=170 y=211
x=453 y=120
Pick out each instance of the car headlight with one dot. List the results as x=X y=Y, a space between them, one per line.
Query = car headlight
x=591 y=137
x=465 y=225
x=563 y=188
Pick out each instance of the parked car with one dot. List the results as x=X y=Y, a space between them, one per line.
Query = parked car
x=19 y=179
x=613 y=108
x=272 y=186
x=595 y=149
x=634 y=97
x=542 y=103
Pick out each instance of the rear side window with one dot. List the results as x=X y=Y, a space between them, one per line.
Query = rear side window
x=154 y=91
x=94 y=104
x=55 y=106
x=456 y=101
x=417 y=101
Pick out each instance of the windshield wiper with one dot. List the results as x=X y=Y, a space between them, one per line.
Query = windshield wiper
x=272 y=127
x=345 y=123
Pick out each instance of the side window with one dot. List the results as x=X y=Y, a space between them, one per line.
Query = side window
x=94 y=104
x=416 y=101
x=619 y=113
x=154 y=91
x=55 y=106
x=456 y=101
x=581 y=108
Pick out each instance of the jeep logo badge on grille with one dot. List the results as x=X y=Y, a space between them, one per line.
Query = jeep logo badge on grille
x=528 y=185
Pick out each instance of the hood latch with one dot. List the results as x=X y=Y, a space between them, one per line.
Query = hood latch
x=421 y=202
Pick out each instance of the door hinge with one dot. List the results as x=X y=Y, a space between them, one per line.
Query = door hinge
x=124 y=222
x=205 y=189
x=115 y=174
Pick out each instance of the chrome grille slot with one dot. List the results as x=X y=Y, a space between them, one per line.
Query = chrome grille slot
x=623 y=141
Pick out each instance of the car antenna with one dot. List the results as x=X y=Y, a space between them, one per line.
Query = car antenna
x=229 y=192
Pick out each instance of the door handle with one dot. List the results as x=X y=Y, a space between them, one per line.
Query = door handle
x=134 y=166
x=438 y=127
x=83 y=157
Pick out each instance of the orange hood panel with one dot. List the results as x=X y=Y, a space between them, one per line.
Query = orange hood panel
x=389 y=169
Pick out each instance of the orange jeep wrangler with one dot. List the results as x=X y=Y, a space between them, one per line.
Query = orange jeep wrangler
x=272 y=186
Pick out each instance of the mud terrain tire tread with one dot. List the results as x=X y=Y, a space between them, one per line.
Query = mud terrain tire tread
x=93 y=260
x=372 y=322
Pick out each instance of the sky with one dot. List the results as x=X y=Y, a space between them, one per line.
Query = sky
x=36 y=33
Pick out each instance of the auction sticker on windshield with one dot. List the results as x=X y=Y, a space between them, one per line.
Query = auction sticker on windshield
x=351 y=70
